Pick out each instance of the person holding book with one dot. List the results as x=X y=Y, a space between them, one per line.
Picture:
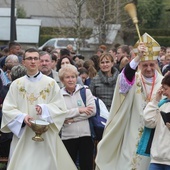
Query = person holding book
x=157 y=115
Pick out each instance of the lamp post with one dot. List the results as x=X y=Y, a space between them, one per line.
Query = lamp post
x=13 y=23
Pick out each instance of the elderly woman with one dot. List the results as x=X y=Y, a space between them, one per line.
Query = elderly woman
x=64 y=60
x=11 y=61
x=76 y=134
x=103 y=84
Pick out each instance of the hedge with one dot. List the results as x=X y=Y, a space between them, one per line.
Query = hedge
x=162 y=40
x=46 y=33
x=156 y=32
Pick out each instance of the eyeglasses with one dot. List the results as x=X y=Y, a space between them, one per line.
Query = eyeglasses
x=32 y=58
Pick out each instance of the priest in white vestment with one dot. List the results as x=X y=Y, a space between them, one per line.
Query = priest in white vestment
x=124 y=128
x=35 y=96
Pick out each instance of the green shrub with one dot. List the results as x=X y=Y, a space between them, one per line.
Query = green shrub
x=156 y=32
x=162 y=40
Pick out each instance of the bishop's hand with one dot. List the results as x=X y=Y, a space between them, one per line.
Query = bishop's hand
x=142 y=49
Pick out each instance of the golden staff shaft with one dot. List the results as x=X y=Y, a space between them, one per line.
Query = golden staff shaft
x=137 y=29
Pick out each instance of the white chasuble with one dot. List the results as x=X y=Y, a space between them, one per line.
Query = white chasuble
x=26 y=154
x=117 y=149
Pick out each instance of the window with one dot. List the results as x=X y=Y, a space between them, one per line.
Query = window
x=64 y=43
x=51 y=43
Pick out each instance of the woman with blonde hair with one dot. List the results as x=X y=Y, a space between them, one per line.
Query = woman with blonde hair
x=75 y=133
x=103 y=84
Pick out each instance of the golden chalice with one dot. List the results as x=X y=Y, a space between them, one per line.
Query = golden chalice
x=39 y=127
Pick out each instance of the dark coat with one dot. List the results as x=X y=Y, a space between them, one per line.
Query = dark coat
x=5 y=138
x=103 y=86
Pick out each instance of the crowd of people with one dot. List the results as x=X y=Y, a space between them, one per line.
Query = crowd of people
x=46 y=84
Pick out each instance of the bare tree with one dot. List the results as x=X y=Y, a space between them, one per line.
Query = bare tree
x=101 y=14
x=74 y=14
x=106 y=13
x=79 y=9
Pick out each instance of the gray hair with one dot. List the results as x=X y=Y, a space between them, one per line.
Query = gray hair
x=68 y=68
x=11 y=61
x=12 y=58
x=18 y=71
x=42 y=53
